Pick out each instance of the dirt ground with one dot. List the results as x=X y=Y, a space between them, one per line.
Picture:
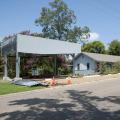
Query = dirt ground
x=80 y=80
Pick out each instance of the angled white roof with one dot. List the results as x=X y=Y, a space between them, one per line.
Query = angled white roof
x=38 y=45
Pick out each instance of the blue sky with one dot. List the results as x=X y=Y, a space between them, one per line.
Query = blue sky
x=101 y=16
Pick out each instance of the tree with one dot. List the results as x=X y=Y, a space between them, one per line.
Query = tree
x=94 y=47
x=27 y=32
x=114 y=48
x=78 y=34
x=57 y=22
x=1 y=61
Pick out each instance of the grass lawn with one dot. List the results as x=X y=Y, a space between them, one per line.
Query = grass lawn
x=7 y=87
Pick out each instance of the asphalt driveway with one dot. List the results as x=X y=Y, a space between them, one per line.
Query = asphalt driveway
x=90 y=101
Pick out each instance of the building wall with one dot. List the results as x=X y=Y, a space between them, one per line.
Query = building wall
x=82 y=61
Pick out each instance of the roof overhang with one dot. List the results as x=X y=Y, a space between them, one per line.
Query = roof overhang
x=38 y=45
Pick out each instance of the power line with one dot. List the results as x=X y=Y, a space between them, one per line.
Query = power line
x=109 y=9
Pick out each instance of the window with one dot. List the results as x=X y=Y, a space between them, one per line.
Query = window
x=78 y=66
x=88 y=66
x=82 y=56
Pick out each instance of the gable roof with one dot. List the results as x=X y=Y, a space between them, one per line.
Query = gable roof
x=100 y=57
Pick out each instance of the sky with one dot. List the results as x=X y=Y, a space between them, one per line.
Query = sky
x=101 y=16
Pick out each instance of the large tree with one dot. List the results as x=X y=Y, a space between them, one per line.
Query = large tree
x=58 y=21
x=1 y=61
x=94 y=47
x=114 y=48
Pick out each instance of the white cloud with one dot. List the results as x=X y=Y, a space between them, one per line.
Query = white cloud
x=94 y=36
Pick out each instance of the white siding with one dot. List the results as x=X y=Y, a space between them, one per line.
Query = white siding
x=83 y=60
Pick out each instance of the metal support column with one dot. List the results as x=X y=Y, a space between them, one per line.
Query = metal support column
x=5 y=67
x=17 y=65
x=73 y=56
x=5 y=77
x=55 y=65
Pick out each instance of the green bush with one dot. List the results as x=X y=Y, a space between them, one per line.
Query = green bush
x=116 y=67
x=64 y=71
x=109 y=68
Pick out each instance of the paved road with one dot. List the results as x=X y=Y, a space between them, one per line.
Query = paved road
x=90 y=101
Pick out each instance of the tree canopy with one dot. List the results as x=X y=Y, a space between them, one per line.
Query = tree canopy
x=94 y=47
x=57 y=22
x=1 y=63
x=114 y=48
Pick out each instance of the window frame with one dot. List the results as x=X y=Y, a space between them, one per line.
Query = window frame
x=88 y=66
x=78 y=66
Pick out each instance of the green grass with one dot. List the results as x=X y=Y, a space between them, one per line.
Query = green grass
x=7 y=87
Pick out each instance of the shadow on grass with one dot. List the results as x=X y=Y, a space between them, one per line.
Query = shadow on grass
x=80 y=106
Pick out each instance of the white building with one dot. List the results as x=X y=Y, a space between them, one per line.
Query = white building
x=23 y=44
x=88 y=63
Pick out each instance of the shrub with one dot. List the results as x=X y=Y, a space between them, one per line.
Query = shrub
x=109 y=68
x=116 y=67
